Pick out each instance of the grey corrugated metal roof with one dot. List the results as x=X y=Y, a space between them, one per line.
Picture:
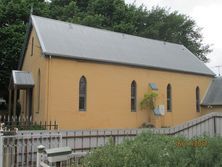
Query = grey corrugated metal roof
x=214 y=93
x=68 y=40
x=22 y=79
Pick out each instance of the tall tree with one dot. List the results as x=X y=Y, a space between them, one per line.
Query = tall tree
x=114 y=15
x=14 y=14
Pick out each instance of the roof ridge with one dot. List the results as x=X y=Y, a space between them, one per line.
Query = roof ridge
x=103 y=29
x=68 y=40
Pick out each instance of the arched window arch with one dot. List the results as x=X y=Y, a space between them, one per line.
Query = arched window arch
x=39 y=90
x=82 y=93
x=169 y=98
x=32 y=46
x=133 y=96
x=197 y=99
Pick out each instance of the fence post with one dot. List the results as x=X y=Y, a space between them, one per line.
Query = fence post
x=215 y=126
x=1 y=149
x=40 y=150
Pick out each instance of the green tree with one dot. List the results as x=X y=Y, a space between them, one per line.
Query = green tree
x=174 y=27
x=114 y=15
x=14 y=14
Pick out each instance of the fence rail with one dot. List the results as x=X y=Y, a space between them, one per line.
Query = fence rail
x=20 y=150
x=22 y=146
x=26 y=123
x=31 y=125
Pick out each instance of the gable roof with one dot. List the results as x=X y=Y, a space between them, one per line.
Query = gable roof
x=67 y=40
x=214 y=93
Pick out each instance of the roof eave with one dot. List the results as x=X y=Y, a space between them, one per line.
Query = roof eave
x=205 y=105
x=30 y=26
x=123 y=64
x=38 y=34
x=25 y=44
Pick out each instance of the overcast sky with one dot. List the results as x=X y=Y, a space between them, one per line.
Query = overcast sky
x=206 y=13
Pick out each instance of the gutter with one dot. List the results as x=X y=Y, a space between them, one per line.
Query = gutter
x=123 y=64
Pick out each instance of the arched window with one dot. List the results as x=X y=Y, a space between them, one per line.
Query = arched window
x=133 y=96
x=197 y=99
x=82 y=94
x=169 y=98
x=39 y=90
x=32 y=47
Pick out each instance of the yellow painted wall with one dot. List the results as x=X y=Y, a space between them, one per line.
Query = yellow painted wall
x=108 y=95
x=33 y=64
x=207 y=110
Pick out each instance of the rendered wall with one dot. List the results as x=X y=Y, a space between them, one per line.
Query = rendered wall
x=33 y=64
x=108 y=95
x=206 y=110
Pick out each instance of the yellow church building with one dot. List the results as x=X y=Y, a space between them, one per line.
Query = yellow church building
x=87 y=78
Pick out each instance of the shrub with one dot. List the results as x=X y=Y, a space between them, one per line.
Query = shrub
x=158 y=150
x=149 y=101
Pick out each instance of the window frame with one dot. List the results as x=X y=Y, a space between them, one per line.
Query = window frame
x=39 y=90
x=133 y=96
x=82 y=94
x=197 y=99
x=169 y=97
x=32 y=46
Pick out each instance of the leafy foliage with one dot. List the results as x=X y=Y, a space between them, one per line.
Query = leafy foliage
x=158 y=150
x=114 y=15
x=14 y=14
x=149 y=101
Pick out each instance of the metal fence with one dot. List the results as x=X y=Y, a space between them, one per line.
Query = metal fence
x=20 y=149
x=26 y=123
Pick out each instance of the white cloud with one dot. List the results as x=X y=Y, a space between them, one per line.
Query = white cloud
x=208 y=17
